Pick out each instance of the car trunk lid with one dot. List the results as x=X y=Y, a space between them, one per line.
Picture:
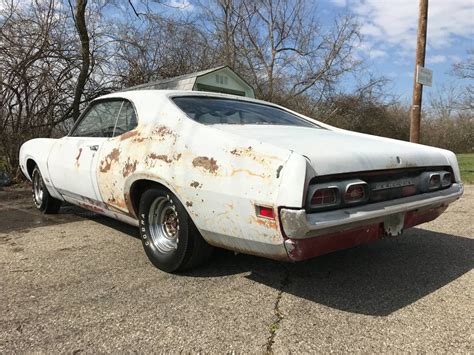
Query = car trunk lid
x=338 y=151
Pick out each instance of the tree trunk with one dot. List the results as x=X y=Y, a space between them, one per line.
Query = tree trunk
x=85 y=54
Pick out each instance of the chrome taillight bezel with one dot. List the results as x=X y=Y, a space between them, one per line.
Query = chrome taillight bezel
x=341 y=188
x=442 y=175
x=352 y=183
x=314 y=188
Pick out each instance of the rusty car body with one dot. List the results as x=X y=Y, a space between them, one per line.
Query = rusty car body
x=275 y=189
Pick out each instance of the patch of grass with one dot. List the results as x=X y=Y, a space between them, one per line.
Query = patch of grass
x=466 y=165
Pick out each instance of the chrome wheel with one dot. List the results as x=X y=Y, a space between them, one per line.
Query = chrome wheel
x=163 y=224
x=38 y=189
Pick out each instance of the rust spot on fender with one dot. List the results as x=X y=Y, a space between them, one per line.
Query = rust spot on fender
x=129 y=167
x=250 y=153
x=246 y=171
x=109 y=159
x=267 y=223
x=163 y=132
x=129 y=134
x=78 y=156
x=162 y=157
x=239 y=152
x=92 y=208
x=195 y=184
x=189 y=203
x=118 y=202
x=209 y=164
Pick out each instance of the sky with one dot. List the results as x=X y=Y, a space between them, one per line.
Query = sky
x=389 y=30
x=389 y=36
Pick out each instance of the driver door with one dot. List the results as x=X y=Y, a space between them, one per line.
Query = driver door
x=73 y=160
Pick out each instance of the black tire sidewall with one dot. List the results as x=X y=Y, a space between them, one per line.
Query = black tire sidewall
x=167 y=262
x=44 y=202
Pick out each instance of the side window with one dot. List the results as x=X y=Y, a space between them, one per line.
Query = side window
x=127 y=119
x=99 y=121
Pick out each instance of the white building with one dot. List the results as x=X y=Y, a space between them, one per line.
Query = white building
x=221 y=79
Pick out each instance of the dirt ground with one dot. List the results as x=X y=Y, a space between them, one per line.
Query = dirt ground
x=79 y=282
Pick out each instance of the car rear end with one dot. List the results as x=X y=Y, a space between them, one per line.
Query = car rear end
x=345 y=210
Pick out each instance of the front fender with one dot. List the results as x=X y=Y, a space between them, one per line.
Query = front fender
x=38 y=150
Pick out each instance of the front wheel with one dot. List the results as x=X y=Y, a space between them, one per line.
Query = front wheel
x=170 y=238
x=41 y=197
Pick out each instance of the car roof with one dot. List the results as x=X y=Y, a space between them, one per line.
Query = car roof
x=152 y=99
x=156 y=93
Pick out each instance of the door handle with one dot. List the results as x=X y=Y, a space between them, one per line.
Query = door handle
x=94 y=148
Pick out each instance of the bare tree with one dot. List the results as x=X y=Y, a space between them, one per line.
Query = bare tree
x=80 y=22
x=39 y=62
x=281 y=49
x=158 y=48
x=465 y=71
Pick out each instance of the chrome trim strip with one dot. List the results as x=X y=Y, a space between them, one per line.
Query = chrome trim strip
x=298 y=224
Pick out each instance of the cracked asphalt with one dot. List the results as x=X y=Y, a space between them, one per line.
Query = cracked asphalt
x=79 y=282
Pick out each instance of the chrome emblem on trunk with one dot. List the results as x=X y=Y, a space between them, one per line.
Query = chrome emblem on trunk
x=384 y=185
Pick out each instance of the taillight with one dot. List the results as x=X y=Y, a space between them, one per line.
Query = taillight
x=434 y=182
x=431 y=181
x=356 y=192
x=446 y=179
x=325 y=197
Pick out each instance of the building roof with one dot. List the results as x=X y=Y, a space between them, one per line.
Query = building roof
x=162 y=82
x=187 y=81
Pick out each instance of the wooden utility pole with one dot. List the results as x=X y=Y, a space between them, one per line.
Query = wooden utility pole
x=420 y=61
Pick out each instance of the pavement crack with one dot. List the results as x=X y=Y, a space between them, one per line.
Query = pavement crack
x=275 y=325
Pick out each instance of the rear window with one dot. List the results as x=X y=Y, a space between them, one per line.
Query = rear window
x=210 y=110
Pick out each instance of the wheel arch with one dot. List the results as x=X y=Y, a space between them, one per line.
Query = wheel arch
x=30 y=166
x=135 y=189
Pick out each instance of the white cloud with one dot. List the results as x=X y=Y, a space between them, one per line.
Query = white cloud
x=180 y=4
x=395 y=22
x=455 y=59
x=377 y=53
x=436 y=59
x=367 y=50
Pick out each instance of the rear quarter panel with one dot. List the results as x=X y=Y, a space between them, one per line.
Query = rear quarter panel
x=218 y=177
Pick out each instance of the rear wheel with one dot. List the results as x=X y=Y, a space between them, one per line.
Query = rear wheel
x=170 y=238
x=41 y=197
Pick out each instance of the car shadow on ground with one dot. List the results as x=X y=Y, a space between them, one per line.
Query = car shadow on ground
x=376 y=279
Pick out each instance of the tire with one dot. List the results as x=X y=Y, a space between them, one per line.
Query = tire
x=42 y=200
x=169 y=236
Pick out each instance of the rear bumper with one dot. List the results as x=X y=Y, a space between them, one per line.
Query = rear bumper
x=310 y=235
x=297 y=224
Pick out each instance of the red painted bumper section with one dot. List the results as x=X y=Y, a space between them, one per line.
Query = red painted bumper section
x=302 y=249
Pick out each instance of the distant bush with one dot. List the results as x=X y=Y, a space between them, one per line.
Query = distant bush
x=454 y=131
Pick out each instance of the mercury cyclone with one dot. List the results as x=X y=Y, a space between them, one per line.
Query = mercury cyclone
x=196 y=170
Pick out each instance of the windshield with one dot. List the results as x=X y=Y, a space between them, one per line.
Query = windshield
x=211 y=110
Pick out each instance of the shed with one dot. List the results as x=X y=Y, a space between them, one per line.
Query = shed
x=221 y=79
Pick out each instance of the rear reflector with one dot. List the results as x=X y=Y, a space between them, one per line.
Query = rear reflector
x=324 y=197
x=266 y=212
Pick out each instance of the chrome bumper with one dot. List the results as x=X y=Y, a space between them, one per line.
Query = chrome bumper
x=297 y=224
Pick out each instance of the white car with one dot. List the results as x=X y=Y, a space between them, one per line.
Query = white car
x=194 y=170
